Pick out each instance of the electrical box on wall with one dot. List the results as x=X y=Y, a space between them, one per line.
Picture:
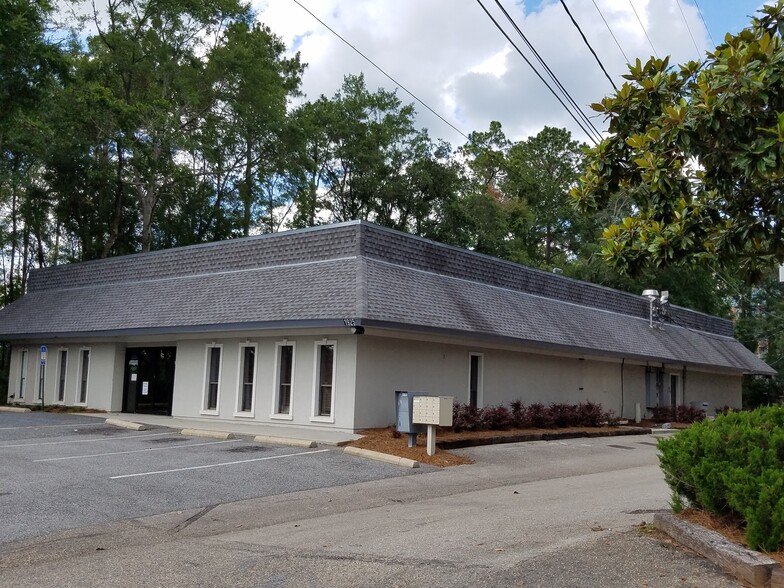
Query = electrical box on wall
x=433 y=410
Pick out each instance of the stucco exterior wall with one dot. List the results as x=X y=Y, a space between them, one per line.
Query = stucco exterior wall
x=102 y=380
x=385 y=365
x=190 y=377
x=718 y=390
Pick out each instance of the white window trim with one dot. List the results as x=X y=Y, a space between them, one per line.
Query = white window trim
x=314 y=416
x=206 y=383
x=276 y=381
x=480 y=380
x=678 y=387
x=24 y=363
x=238 y=412
x=57 y=376
x=79 y=376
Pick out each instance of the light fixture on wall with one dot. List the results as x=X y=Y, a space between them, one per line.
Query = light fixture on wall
x=285 y=340
x=358 y=330
x=324 y=340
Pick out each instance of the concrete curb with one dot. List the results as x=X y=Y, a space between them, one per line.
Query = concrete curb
x=126 y=424
x=284 y=441
x=755 y=568
x=206 y=433
x=393 y=459
x=548 y=436
x=14 y=409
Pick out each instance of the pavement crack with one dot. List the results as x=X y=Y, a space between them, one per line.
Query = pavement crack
x=194 y=518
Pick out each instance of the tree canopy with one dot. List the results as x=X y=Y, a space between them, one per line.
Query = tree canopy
x=699 y=151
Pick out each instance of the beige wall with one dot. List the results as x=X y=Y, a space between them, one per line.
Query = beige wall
x=386 y=364
x=718 y=390
x=190 y=375
x=104 y=383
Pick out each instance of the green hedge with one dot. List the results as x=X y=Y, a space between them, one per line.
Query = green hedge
x=733 y=465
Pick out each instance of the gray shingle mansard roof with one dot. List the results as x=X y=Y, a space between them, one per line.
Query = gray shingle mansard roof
x=369 y=274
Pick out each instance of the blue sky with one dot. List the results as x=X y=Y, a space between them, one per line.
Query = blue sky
x=725 y=16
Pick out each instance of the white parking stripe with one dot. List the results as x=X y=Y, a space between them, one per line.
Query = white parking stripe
x=86 y=440
x=50 y=426
x=133 y=451
x=216 y=465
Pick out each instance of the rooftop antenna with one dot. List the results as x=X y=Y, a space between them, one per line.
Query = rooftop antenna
x=658 y=306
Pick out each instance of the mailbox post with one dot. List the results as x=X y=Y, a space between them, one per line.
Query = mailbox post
x=433 y=411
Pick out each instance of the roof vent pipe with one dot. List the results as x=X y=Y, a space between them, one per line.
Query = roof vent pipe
x=658 y=306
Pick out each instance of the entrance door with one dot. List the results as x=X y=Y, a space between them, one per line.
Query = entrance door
x=149 y=379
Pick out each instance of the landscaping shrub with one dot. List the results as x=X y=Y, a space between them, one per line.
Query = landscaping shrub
x=496 y=418
x=564 y=415
x=591 y=414
x=733 y=465
x=540 y=416
x=466 y=417
x=537 y=415
x=678 y=414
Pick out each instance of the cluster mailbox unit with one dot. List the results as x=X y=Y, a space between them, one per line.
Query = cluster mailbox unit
x=432 y=411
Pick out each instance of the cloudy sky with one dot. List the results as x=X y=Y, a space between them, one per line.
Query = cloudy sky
x=451 y=55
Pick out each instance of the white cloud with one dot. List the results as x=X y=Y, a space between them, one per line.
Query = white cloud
x=450 y=55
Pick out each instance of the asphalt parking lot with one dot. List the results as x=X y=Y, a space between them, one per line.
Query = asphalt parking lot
x=61 y=471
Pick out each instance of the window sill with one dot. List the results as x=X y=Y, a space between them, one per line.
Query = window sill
x=209 y=412
x=244 y=415
x=282 y=417
x=323 y=419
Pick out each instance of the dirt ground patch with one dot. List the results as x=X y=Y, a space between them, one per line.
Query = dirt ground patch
x=385 y=441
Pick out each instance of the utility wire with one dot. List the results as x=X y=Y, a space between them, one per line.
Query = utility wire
x=552 y=75
x=393 y=80
x=595 y=136
x=599 y=61
x=609 y=29
x=557 y=97
x=699 y=10
x=688 y=28
x=642 y=26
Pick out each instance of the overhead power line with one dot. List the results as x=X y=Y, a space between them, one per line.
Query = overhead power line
x=550 y=73
x=699 y=10
x=371 y=62
x=688 y=28
x=593 y=136
x=599 y=61
x=609 y=29
x=642 y=26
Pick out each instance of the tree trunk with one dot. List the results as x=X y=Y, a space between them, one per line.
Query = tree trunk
x=247 y=189
x=119 y=192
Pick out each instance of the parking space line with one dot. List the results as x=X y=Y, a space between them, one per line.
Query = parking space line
x=216 y=465
x=134 y=451
x=50 y=426
x=86 y=440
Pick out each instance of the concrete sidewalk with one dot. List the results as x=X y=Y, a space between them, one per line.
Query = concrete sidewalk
x=318 y=435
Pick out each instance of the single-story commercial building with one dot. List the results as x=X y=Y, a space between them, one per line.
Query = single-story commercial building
x=319 y=327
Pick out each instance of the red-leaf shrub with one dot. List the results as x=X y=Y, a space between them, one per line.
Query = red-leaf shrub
x=678 y=414
x=496 y=418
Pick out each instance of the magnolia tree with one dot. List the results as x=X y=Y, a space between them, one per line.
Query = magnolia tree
x=698 y=149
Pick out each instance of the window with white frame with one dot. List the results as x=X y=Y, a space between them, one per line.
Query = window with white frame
x=84 y=375
x=247 y=379
x=475 y=361
x=284 y=378
x=62 y=371
x=22 y=373
x=324 y=396
x=212 y=378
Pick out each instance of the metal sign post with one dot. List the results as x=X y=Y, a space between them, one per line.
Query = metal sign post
x=42 y=383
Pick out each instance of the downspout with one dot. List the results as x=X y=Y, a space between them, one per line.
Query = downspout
x=623 y=360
